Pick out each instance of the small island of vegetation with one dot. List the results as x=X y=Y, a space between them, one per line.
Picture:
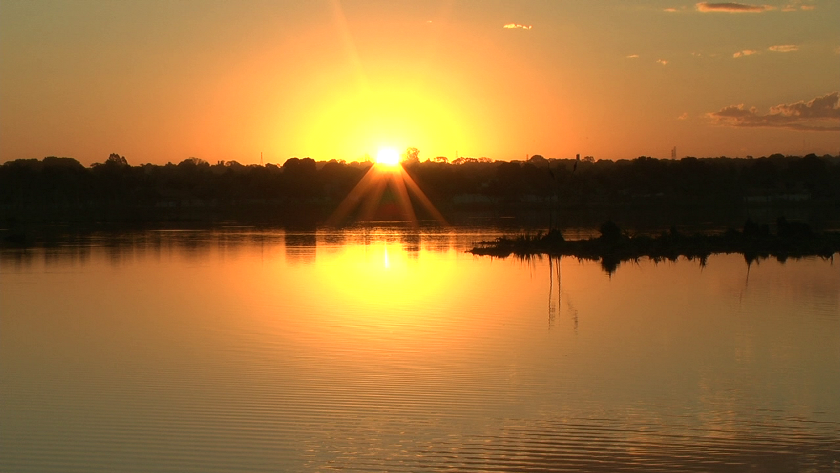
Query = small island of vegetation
x=614 y=246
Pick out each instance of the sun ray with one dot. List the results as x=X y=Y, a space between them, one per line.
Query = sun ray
x=421 y=196
x=352 y=200
x=370 y=189
x=403 y=199
x=374 y=197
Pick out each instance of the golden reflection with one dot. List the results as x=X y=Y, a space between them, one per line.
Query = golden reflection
x=386 y=281
x=377 y=274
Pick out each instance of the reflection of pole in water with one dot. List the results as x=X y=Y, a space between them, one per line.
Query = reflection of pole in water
x=572 y=310
x=555 y=269
x=746 y=283
x=551 y=307
x=559 y=285
x=555 y=307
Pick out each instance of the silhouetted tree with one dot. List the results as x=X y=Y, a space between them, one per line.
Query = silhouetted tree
x=115 y=159
x=610 y=231
x=193 y=161
x=412 y=155
x=538 y=160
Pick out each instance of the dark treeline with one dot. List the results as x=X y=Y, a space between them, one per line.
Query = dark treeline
x=62 y=189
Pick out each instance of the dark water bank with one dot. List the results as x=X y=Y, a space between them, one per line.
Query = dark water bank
x=42 y=220
x=614 y=246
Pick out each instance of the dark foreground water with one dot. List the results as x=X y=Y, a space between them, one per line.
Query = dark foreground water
x=383 y=350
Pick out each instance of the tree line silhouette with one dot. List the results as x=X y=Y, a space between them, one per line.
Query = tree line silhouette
x=61 y=188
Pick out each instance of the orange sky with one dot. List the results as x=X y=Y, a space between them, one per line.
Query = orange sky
x=160 y=81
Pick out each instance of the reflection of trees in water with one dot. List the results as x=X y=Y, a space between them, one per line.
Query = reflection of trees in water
x=331 y=238
x=438 y=241
x=300 y=247
x=412 y=239
x=411 y=242
x=71 y=248
x=53 y=256
x=19 y=260
x=120 y=247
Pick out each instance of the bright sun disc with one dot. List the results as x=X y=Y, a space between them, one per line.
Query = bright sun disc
x=388 y=157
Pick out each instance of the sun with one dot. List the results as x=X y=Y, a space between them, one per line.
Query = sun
x=388 y=157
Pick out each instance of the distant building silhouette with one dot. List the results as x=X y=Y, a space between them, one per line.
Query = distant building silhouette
x=674 y=152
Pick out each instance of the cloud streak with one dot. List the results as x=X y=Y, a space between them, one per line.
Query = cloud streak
x=796 y=5
x=514 y=26
x=745 y=52
x=784 y=48
x=707 y=7
x=819 y=114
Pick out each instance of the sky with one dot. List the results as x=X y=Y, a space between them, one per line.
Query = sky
x=161 y=81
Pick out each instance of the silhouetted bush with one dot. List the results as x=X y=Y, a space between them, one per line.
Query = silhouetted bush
x=610 y=232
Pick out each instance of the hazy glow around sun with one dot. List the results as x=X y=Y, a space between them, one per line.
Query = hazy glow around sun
x=388 y=157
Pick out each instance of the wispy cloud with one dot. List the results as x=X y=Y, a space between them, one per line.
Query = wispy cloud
x=819 y=114
x=745 y=52
x=514 y=26
x=797 y=5
x=784 y=48
x=706 y=7
x=684 y=116
x=662 y=61
x=633 y=56
x=671 y=10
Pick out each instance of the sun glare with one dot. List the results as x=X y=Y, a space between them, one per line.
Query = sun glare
x=388 y=157
x=374 y=204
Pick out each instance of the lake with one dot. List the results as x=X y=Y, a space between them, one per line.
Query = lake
x=384 y=349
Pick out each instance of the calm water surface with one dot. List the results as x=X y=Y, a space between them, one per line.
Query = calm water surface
x=384 y=350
